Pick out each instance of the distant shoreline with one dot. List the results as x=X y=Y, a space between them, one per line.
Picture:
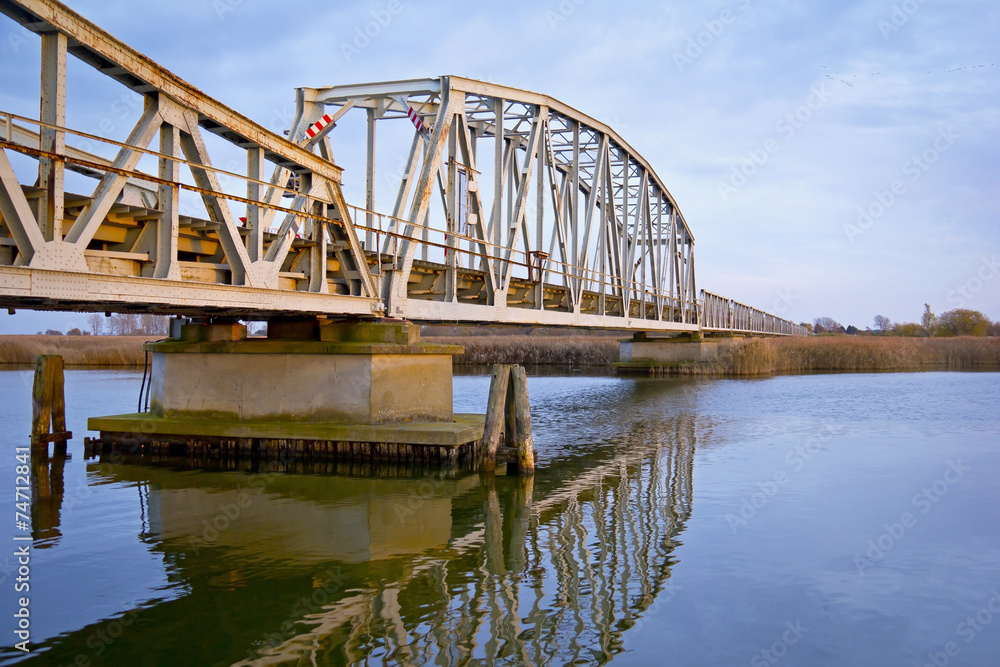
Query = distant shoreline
x=736 y=357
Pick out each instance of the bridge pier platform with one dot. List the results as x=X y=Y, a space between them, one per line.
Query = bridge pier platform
x=644 y=353
x=360 y=391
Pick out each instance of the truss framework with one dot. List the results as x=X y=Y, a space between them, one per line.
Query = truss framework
x=546 y=215
x=570 y=219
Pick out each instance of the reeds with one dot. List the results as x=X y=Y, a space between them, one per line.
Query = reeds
x=761 y=356
x=754 y=356
x=533 y=350
x=75 y=350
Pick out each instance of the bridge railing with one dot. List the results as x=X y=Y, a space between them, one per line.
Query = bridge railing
x=719 y=313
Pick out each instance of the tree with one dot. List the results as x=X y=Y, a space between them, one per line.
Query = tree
x=53 y=332
x=74 y=332
x=807 y=326
x=821 y=324
x=96 y=323
x=123 y=324
x=911 y=329
x=928 y=319
x=851 y=330
x=152 y=325
x=882 y=323
x=962 y=322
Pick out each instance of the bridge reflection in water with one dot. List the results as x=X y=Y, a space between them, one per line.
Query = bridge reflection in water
x=467 y=568
x=309 y=569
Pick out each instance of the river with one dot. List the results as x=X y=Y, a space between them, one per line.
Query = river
x=846 y=519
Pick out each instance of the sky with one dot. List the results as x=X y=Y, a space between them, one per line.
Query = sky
x=834 y=159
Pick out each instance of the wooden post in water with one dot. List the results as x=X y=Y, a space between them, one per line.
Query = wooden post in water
x=510 y=416
x=495 y=415
x=522 y=418
x=508 y=411
x=48 y=405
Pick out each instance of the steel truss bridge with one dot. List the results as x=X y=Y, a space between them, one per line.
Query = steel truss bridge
x=510 y=207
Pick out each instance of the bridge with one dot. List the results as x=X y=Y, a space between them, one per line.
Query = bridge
x=509 y=206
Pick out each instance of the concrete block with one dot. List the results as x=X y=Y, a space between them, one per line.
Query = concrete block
x=391 y=332
x=667 y=350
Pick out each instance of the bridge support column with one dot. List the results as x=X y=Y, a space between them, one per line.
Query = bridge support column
x=364 y=390
x=644 y=353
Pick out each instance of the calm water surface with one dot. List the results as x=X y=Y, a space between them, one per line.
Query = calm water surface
x=807 y=520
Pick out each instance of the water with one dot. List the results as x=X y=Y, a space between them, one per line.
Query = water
x=803 y=520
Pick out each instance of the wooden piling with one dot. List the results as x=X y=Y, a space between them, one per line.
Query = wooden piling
x=48 y=406
x=522 y=414
x=510 y=414
x=495 y=415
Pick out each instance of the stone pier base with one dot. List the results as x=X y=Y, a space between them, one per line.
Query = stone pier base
x=644 y=354
x=339 y=391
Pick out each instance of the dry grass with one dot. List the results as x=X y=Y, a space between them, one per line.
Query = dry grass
x=761 y=356
x=75 y=350
x=756 y=356
x=530 y=350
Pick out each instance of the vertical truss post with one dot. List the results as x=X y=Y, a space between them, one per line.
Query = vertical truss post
x=543 y=123
x=452 y=223
x=317 y=251
x=672 y=266
x=370 y=181
x=623 y=246
x=658 y=257
x=255 y=174
x=498 y=183
x=574 y=198
x=167 y=227
x=643 y=220
x=51 y=172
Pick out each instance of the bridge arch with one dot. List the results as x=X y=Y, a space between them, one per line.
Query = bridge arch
x=554 y=213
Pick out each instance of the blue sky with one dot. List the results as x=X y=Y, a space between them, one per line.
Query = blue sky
x=832 y=159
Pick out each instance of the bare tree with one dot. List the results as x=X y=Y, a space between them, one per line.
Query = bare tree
x=124 y=324
x=152 y=325
x=882 y=323
x=95 y=321
x=821 y=324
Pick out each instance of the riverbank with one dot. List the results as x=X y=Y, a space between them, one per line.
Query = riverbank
x=108 y=351
x=757 y=356
x=766 y=356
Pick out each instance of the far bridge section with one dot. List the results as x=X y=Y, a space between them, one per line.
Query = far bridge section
x=510 y=207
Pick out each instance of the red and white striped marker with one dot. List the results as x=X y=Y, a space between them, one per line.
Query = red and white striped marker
x=415 y=119
x=317 y=128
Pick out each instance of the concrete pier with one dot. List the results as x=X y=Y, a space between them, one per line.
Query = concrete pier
x=644 y=353
x=361 y=390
